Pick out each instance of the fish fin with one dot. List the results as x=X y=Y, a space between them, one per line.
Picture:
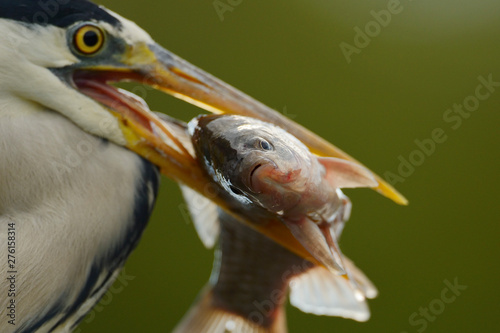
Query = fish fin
x=204 y=316
x=346 y=174
x=319 y=241
x=320 y=292
x=204 y=214
x=367 y=287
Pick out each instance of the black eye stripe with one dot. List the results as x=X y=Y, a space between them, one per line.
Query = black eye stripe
x=60 y=13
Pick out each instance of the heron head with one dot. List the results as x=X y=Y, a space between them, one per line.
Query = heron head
x=65 y=56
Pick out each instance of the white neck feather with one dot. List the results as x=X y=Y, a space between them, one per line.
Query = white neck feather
x=71 y=196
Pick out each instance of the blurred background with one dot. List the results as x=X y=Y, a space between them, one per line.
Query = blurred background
x=395 y=84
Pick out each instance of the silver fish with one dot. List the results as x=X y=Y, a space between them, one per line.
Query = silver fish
x=263 y=168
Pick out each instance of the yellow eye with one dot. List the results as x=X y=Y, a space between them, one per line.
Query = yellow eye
x=88 y=39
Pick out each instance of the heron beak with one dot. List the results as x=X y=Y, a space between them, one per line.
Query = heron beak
x=169 y=73
x=163 y=70
x=155 y=139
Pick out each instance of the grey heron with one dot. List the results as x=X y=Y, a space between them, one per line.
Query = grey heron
x=80 y=159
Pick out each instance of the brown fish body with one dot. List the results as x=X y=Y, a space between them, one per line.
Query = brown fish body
x=250 y=281
x=253 y=274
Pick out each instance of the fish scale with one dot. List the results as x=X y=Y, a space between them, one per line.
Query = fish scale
x=249 y=162
x=252 y=268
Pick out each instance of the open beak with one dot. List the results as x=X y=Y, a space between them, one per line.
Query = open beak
x=153 y=138
x=163 y=70
x=169 y=73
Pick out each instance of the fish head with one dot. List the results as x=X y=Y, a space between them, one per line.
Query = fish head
x=261 y=164
x=253 y=159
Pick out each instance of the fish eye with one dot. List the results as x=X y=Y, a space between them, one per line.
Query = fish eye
x=88 y=39
x=264 y=145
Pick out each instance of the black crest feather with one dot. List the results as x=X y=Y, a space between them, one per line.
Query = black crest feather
x=60 y=13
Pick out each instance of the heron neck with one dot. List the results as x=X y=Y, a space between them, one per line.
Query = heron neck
x=66 y=189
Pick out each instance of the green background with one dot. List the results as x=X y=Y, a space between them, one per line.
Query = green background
x=286 y=53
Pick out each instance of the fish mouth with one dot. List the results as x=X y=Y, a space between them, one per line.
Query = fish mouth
x=260 y=178
x=251 y=180
x=266 y=175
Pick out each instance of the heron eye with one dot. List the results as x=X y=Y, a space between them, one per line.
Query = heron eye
x=263 y=144
x=88 y=39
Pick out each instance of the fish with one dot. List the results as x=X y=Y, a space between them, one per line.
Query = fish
x=269 y=171
x=252 y=277
x=265 y=169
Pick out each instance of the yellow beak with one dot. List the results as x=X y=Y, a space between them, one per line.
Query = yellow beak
x=173 y=75
x=163 y=143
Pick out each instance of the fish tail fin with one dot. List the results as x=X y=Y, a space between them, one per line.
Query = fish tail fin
x=204 y=316
x=319 y=291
